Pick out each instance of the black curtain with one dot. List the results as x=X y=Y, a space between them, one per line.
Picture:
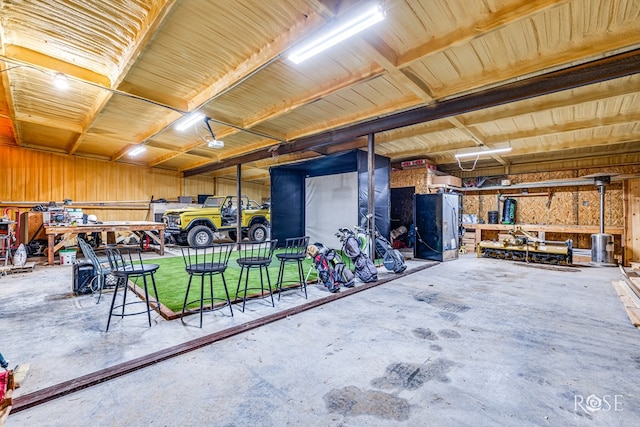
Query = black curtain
x=287 y=204
x=382 y=178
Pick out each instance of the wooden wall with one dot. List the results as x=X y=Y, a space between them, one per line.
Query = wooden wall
x=569 y=205
x=632 y=220
x=31 y=177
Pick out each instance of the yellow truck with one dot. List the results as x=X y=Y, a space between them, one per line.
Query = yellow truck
x=197 y=226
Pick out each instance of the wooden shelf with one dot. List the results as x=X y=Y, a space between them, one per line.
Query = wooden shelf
x=572 y=229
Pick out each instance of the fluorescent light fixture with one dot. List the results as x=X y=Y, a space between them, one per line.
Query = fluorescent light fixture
x=480 y=153
x=189 y=119
x=60 y=81
x=339 y=33
x=138 y=150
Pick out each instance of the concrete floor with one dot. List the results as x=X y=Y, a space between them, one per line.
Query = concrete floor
x=471 y=342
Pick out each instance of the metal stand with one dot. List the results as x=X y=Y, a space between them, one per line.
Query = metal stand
x=602 y=243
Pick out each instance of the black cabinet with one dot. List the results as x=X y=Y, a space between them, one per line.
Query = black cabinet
x=436 y=217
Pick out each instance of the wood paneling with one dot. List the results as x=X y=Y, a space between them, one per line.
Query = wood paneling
x=32 y=177
x=632 y=220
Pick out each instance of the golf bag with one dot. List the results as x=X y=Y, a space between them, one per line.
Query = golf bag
x=364 y=268
x=332 y=272
x=392 y=259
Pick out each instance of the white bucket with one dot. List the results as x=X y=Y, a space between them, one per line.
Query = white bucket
x=67 y=256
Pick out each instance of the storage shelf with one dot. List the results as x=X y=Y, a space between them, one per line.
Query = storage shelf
x=570 y=182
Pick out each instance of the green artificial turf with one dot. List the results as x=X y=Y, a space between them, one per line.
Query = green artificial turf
x=172 y=279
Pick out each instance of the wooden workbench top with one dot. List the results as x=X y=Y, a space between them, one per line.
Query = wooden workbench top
x=581 y=229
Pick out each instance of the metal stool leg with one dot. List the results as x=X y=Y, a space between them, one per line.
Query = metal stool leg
x=146 y=298
x=113 y=301
x=186 y=297
x=280 y=278
x=224 y=282
x=303 y=282
x=266 y=271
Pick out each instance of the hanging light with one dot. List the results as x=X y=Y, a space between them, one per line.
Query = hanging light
x=215 y=143
x=342 y=31
x=60 y=81
x=137 y=150
x=189 y=119
x=212 y=141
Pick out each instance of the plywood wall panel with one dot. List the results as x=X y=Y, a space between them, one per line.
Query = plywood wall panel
x=561 y=208
x=471 y=204
x=533 y=208
x=410 y=178
x=589 y=207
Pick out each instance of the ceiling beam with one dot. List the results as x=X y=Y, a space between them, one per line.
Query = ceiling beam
x=512 y=72
x=536 y=106
x=19 y=55
x=596 y=71
x=490 y=22
x=152 y=23
x=573 y=126
x=256 y=62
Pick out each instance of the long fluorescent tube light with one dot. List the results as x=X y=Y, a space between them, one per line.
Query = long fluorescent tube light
x=480 y=153
x=138 y=150
x=189 y=120
x=338 y=34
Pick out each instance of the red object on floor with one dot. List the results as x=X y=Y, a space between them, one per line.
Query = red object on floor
x=398 y=244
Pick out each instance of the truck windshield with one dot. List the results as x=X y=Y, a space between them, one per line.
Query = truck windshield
x=213 y=202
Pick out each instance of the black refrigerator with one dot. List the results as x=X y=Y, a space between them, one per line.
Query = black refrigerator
x=436 y=219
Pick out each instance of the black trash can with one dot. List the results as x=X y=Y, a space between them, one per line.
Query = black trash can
x=83 y=274
x=509 y=211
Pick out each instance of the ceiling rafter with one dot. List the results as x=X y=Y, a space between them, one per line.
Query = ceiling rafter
x=575 y=145
x=274 y=112
x=490 y=22
x=586 y=124
x=539 y=105
x=256 y=62
x=596 y=71
x=142 y=39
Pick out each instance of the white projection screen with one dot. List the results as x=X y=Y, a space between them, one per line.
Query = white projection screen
x=331 y=203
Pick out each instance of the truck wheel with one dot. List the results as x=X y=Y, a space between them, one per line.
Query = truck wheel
x=258 y=233
x=200 y=236
x=233 y=235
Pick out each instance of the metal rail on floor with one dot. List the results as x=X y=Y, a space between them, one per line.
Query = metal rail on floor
x=56 y=391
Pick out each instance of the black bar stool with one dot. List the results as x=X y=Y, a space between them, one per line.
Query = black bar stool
x=206 y=262
x=295 y=250
x=255 y=255
x=126 y=263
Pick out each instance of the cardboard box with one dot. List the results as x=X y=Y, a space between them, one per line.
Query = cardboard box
x=453 y=181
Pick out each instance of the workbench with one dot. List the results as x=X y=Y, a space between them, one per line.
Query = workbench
x=155 y=230
x=541 y=229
